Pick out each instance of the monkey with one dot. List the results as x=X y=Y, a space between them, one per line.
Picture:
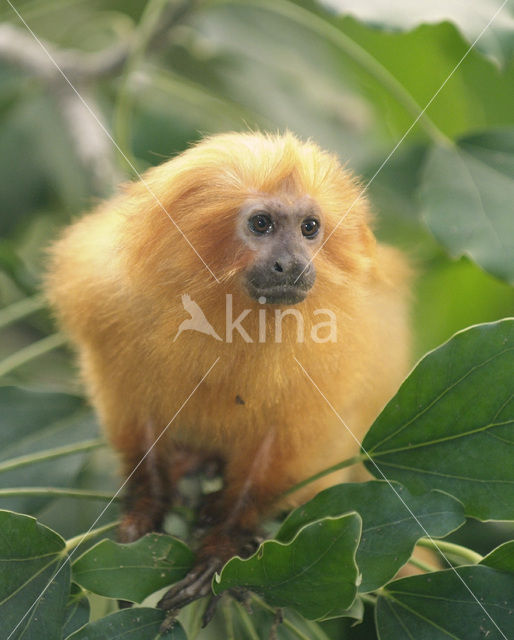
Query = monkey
x=254 y=226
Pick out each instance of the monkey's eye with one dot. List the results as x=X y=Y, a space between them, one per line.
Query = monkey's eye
x=310 y=227
x=260 y=223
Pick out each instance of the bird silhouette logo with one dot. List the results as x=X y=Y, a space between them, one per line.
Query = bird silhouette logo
x=197 y=321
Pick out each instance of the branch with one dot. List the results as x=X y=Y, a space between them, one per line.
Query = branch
x=58 y=492
x=59 y=68
x=51 y=454
x=19 y=48
x=86 y=128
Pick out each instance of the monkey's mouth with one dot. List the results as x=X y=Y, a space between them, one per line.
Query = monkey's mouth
x=279 y=294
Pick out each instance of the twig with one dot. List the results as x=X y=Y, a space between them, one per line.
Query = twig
x=421 y=564
x=21 y=309
x=28 y=353
x=83 y=537
x=18 y=48
x=59 y=68
x=443 y=547
x=55 y=492
x=51 y=454
x=337 y=467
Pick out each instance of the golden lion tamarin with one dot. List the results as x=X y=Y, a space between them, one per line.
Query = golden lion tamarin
x=200 y=326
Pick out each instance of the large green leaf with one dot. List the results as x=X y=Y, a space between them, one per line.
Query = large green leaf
x=501 y=558
x=138 y=623
x=34 y=579
x=470 y=603
x=315 y=573
x=76 y=614
x=451 y=424
x=468 y=294
x=34 y=421
x=25 y=413
x=135 y=570
x=373 y=83
x=471 y=18
x=392 y=522
x=468 y=199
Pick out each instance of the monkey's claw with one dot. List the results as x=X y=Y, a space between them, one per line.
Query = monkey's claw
x=210 y=610
x=196 y=584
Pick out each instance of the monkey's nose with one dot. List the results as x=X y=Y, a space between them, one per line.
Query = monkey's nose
x=289 y=270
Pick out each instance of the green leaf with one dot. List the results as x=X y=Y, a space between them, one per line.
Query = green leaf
x=388 y=523
x=501 y=558
x=471 y=18
x=468 y=194
x=133 y=571
x=468 y=294
x=76 y=614
x=374 y=83
x=138 y=623
x=36 y=421
x=31 y=558
x=315 y=573
x=470 y=603
x=451 y=424
x=25 y=413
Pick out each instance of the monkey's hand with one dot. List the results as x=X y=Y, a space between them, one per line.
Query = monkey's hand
x=195 y=585
x=217 y=548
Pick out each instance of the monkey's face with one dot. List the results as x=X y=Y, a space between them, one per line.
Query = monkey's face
x=283 y=234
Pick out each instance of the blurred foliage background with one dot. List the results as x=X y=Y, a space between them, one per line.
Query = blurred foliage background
x=148 y=78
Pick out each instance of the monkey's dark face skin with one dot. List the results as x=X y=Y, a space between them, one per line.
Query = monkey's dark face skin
x=283 y=234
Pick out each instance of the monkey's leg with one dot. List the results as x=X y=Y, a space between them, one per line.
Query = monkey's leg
x=152 y=478
x=219 y=545
x=236 y=514
x=147 y=498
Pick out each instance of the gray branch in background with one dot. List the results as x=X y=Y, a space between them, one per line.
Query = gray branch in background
x=93 y=148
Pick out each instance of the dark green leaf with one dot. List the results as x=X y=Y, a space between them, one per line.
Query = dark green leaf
x=471 y=18
x=133 y=571
x=34 y=421
x=468 y=296
x=451 y=424
x=25 y=413
x=389 y=526
x=471 y=603
x=315 y=573
x=34 y=579
x=356 y=611
x=501 y=558
x=76 y=614
x=468 y=199
x=138 y=623
x=373 y=83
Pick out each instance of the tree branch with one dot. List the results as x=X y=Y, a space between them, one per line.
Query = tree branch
x=18 y=47
x=81 y=69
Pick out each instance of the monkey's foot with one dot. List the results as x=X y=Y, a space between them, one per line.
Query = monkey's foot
x=196 y=584
x=135 y=524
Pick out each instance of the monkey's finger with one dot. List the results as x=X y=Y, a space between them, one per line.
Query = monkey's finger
x=210 y=610
x=181 y=587
x=195 y=585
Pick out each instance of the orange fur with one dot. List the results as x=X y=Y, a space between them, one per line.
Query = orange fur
x=116 y=278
